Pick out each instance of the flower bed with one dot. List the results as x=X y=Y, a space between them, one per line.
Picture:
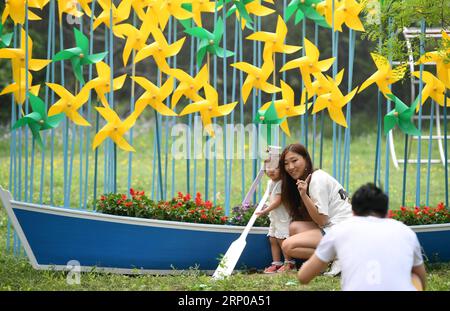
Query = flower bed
x=423 y=215
x=181 y=208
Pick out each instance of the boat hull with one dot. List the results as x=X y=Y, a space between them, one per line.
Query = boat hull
x=53 y=237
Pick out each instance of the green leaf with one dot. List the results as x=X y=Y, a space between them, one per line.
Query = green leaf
x=81 y=41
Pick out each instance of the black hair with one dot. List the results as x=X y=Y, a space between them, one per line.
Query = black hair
x=370 y=200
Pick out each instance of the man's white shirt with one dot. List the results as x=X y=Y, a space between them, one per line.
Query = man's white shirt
x=374 y=253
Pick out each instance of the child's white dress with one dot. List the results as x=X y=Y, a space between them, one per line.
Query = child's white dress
x=279 y=217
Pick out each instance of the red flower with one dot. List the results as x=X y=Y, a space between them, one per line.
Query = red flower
x=203 y=216
x=132 y=192
x=180 y=195
x=198 y=195
x=198 y=201
x=180 y=204
x=208 y=204
x=390 y=214
x=141 y=193
x=124 y=197
x=119 y=201
x=128 y=204
x=187 y=197
x=103 y=198
x=223 y=218
x=403 y=208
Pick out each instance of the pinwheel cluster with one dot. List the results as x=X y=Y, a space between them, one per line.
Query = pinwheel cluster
x=434 y=88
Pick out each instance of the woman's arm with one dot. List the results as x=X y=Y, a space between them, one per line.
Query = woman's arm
x=275 y=204
x=318 y=218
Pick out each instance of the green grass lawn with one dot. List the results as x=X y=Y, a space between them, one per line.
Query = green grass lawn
x=17 y=274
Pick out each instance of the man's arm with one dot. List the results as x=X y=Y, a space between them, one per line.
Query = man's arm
x=421 y=273
x=310 y=269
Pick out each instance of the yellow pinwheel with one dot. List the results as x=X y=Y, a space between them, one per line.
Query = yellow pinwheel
x=16 y=10
x=309 y=64
x=347 y=12
x=256 y=78
x=139 y=7
x=155 y=96
x=19 y=88
x=119 y=14
x=323 y=84
x=189 y=86
x=69 y=7
x=440 y=57
x=101 y=84
x=209 y=108
x=385 y=75
x=153 y=11
x=199 y=6
x=69 y=104
x=434 y=88
x=285 y=107
x=85 y=6
x=251 y=7
x=334 y=102
x=136 y=39
x=115 y=128
x=172 y=8
x=274 y=42
x=160 y=50
x=325 y=8
x=18 y=56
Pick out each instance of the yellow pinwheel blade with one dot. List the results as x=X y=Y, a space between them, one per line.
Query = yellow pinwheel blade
x=99 y=138
x=337 y=116
x=118 y=82
x=285 y=128
x=122 y=143
x=109 y=115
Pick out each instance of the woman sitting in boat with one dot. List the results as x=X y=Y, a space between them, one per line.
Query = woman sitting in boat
x=315 y=200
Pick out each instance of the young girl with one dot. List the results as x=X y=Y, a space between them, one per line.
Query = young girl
x=279 y=223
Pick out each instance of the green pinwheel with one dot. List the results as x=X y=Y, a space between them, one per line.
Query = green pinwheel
x=5 y=39
x=401 y=115
x=305 y=8
x=269 y=117
x=79 y=55
x=240 y=8
x=38 y=119
x=209 y=42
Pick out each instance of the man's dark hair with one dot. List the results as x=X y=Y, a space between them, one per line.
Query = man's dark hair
x=370 y=200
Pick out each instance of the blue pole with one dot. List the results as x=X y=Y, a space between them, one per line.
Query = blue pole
x=419 y=146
